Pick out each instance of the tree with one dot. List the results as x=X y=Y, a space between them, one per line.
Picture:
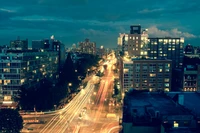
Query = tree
x=44 y=95
x=10 y=121
x=68 y=75
x=40 y=97
x=27 y=98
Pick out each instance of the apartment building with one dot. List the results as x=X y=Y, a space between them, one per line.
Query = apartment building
x=146 y=74
x=134 y=43
x=19 y=44
x=191 y=78
x=87 y=47
x=27 y=68
x=167 y=47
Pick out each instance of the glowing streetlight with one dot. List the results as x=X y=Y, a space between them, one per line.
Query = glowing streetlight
x=70 y=84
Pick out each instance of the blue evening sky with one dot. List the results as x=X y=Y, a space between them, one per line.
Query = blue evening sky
x=101 y=21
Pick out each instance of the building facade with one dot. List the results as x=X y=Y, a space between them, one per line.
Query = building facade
x=87 y=47
x=135 y=43
x=27 y=68
x=169 y=48
x=51 y=45
x=146 y=74
x=152 y=112
x=191 y=78
x=60 y=48
x=19 y=44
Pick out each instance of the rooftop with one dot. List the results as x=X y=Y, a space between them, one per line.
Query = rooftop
x=150 y=102
x=128 y=59
x=190 y=100
x=180 y=130
x=150 y=59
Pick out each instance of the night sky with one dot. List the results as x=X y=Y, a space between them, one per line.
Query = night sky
x=101 y=21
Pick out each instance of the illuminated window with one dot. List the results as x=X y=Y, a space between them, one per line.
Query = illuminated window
x=6 y=82
x=167 y=70
x=152 y=75
x=160 y=70
x=6 y=70
x=166 y=79
x=22 y=81
x=166 y=90
x=166 y=84
x=176 y=124
x=7 y=98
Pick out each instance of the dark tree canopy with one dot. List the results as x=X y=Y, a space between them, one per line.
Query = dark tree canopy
x=45 y=96
x=68 y=75
x=10 y=121
x=39 y=97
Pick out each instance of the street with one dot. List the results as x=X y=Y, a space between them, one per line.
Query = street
x=92 y=110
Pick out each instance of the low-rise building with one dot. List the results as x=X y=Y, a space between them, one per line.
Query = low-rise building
x=25 y=67
x=191 y=78
x=154 y=112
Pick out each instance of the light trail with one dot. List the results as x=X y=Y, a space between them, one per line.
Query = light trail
x=67 y=114
x=116 y=127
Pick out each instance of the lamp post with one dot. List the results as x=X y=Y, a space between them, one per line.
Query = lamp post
x=69 y=85
x=55 y=106
x=88 y=72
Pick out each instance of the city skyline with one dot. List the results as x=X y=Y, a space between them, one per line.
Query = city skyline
x=71 y=21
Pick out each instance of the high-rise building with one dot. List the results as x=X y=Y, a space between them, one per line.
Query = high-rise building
x=19 y=44
x=135 y=43
x=27 y=68
x=87 y=47
x=120 y=43
x=169 y=48
x=51 y=45
x=146 y=74
x=60 y=48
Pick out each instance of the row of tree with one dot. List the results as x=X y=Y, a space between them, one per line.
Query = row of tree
x=46 y=95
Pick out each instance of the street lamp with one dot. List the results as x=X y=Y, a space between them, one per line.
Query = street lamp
x=55 y=106
x=70 y=84
x=88 y=72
